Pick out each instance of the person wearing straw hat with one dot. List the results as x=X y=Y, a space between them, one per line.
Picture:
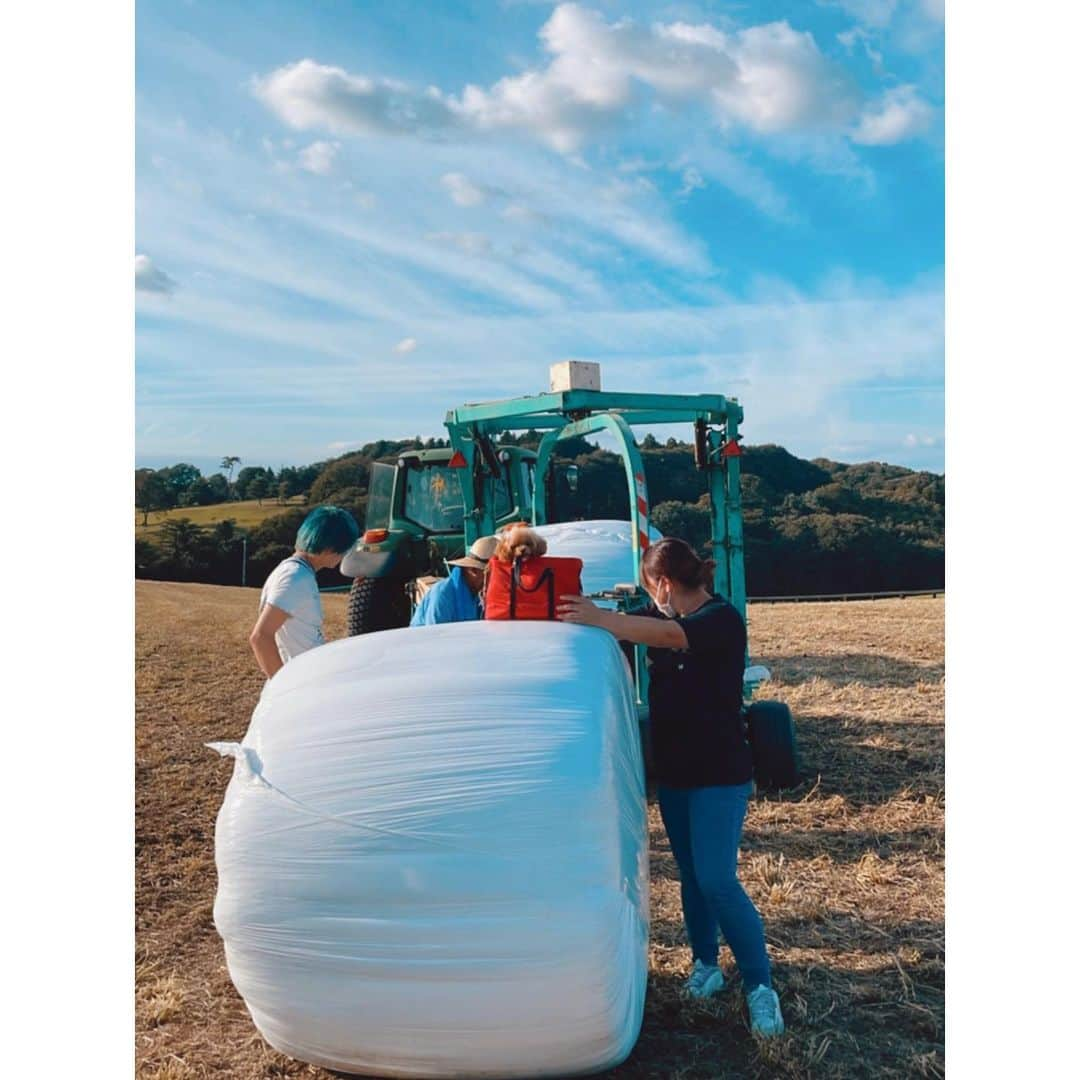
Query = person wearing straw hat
x=458 y=598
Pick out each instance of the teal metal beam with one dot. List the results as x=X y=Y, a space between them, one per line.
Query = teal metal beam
x=479 y=520
x=715 y=407
x=718 y=513
x=635 y=475
x=615 y=425
x=733 y=511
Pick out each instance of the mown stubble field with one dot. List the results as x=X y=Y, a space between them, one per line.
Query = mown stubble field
x=847 y=870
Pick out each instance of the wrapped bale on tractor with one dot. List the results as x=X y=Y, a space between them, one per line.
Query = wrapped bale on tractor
x=604 y=546
x=432 y=855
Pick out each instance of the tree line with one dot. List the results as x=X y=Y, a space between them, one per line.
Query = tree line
x=809 y=526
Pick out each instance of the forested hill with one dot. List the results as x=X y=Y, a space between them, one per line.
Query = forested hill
x=810 y=526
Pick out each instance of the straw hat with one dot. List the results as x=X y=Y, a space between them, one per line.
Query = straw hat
x=478 y=555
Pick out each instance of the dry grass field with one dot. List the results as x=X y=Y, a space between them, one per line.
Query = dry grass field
x=847 y=870
x=247 y=513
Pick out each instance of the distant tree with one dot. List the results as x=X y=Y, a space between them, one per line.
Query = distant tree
x=351 y=471
x=225 y=532
x=283 y=491
x=185 y=546
x=152 y=493
x=257 y=488
x=178 y=478
x=649 y=442
x=687 y=521
x=228 y=463
x=219 y=488
x=245 y=477
x=147 y=558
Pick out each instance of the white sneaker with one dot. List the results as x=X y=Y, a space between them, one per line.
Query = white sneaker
x=705 y=980
x=765 y=1018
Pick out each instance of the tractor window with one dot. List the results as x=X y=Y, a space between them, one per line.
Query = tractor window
x=503 y=502
x=380 y=494
x=433 y=498
x=527 y=469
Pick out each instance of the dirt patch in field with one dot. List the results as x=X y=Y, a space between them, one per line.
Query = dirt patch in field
x=847 y=870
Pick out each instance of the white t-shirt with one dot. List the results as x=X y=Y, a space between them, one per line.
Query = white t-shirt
x=293 y=588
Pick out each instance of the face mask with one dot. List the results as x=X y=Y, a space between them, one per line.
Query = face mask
x=664 y=609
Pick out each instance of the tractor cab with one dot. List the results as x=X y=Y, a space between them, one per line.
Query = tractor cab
x=415 y=521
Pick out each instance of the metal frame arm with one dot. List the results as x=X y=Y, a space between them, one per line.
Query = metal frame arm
x=631 y=458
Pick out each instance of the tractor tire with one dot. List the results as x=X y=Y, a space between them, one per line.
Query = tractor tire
x=771 y=732
x=376 y=604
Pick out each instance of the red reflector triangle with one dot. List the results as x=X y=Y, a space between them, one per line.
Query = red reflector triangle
x=731 y=449
x=458 y=460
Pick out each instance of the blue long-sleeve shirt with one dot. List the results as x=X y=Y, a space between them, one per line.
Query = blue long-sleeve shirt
x=449 y=600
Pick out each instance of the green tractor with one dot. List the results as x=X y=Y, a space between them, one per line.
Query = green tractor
x=433 y=504
x=416 y=521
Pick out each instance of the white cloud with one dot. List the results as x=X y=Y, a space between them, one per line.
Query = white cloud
x=724 y=167
x=692 y=180
x=769 y=78
x=912 y=440
x=406 y=345
x=874 y=13
x=319 y=157
x=149 y=278
x=858 y=36
x=468 y=243
x=897 y=115
x=308 y=95
x=525 y=214
x=463 y=191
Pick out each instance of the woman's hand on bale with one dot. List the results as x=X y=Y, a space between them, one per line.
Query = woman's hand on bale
x=579 y=609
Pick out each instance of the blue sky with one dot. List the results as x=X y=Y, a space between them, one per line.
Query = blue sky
x=351 y=217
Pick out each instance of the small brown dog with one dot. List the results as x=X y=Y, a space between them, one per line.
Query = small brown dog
x=519 y=541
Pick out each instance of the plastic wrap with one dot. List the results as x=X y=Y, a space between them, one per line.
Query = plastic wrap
x=432 y=855
x=603 y=546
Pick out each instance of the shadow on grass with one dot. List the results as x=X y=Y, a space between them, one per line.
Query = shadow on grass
x=885 y=1022
x=870 y=762
x=844 y=669
x=843 y=846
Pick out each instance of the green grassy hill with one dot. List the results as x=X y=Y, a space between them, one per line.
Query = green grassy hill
x=246 y=513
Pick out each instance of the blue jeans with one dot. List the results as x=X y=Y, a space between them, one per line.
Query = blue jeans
x=704 y=826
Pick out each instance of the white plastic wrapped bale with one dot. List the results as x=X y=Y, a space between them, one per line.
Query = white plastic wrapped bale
x=432 y=855
x=605 y=548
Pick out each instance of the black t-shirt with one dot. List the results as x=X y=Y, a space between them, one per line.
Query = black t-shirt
x=695 y=701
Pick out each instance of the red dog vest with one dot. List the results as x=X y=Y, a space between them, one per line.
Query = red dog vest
x=530 y=588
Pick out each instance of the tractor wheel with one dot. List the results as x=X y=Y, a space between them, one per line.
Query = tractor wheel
x=771 y=731
x=376 y=604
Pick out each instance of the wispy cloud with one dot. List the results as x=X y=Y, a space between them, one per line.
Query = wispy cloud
x=899 y=114
x=319 y=157
x=149 y=278
x=464 y=191
x=406 y=345
x=468 y=243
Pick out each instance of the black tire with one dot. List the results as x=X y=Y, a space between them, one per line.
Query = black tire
x=771 y=732
x=376 y=604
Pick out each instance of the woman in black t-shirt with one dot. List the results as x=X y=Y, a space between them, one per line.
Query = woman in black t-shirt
x=697 y=653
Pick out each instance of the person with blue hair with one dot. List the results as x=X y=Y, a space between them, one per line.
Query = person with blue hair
x=290 y=610
x=458 y=598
